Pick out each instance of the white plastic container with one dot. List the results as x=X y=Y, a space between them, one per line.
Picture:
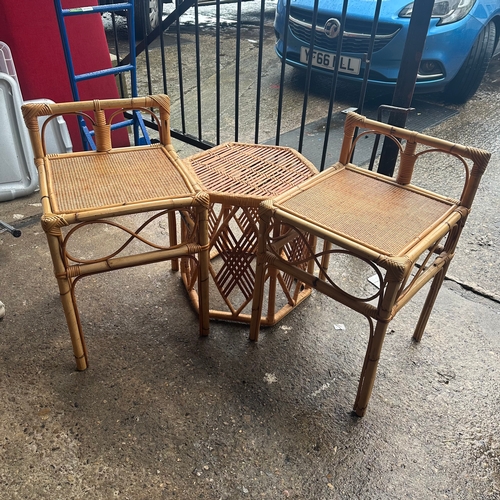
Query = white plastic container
x=7 y=62
x=18 y=175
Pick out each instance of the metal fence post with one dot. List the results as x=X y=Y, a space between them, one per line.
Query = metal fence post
x=405 y=86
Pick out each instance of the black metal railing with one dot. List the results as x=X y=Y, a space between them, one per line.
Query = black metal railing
x=221 y=92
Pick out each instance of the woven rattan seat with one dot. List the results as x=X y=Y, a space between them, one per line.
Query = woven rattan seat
x=90 y=180
x=404 y=235
x=393 y=220
x=238 y=177
x=89 y=188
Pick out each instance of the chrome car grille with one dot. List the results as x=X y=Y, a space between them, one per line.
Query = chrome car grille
x=356 y=33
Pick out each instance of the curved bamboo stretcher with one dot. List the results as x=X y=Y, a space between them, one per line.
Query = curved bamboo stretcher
x=406 y=235
x=89 y=188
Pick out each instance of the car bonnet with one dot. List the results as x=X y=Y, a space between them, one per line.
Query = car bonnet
x=363 y=8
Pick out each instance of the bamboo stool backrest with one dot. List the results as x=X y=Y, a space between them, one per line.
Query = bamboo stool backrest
x=408 y=155
x=100 y=123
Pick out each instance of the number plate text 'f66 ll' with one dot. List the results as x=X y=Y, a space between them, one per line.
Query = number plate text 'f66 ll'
x=326 y=60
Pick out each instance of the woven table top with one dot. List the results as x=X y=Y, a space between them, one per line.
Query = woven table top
x=250 y=170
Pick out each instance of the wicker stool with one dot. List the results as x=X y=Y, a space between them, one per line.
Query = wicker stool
x=238 y=177
x=385 y=227
x=91 y=190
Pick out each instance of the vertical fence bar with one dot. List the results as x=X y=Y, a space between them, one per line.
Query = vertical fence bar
x=217 y=70
x=259 y=69
x=366 y=75
x=237 y=75
x=282 y=73
x=162 y=48
x=369 y=56
x=308 y=75
x=146 y=54
x=333 y=86
x=407 y=77
x=198 y=67
x=179 y=63
x=122 y=86
x=170 y=20
x=140 y=21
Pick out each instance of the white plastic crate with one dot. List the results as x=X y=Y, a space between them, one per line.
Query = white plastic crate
x=18 y=175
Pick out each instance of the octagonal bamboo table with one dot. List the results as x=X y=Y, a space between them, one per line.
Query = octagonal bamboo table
x=238 y=177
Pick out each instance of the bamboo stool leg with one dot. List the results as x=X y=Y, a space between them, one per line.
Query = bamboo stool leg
x=273 y=282
x=260 y=275
x=377 y=335
x=80 y=331
x=71 y=314
x=172 y=232
x=429 y=303
x=325 y=259
x=203 y=270
x=370 y=365
x=69 y=304
x=271 y=305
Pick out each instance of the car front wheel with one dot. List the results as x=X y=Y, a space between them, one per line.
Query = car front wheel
x=470 y=75
x=147 y=16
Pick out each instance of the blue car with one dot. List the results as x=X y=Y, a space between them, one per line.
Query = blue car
x=462 y=38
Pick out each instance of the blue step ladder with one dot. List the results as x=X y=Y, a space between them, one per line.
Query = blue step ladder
x=140 y=133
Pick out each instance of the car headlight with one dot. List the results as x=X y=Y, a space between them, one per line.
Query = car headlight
x=448 y=11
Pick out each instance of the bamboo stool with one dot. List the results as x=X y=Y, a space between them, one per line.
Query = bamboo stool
x=405 y=236
x=238 y=177
x=92 y=188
